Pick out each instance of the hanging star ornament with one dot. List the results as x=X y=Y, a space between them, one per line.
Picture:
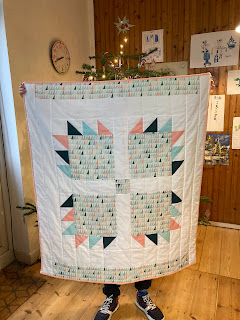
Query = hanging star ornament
x=123 y=25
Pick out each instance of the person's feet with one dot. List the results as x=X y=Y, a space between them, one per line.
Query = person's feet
x=145 y=304
x=110 y=305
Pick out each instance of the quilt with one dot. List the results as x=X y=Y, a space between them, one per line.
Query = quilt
x=117 y=169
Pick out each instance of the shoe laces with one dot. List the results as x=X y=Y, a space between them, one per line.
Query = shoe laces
x=149 y=302
x=106 y=304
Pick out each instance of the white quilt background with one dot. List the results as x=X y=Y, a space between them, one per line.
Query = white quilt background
x=48 y=117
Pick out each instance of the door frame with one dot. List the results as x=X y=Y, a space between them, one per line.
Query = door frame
x=6 y=252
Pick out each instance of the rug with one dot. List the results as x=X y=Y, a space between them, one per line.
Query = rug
x=18 y=282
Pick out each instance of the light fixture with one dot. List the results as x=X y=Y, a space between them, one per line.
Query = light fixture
x=103 y=76
x=90 y=77
x=116 y=60
x=121 y=45
x=238 y=28
x=125 y=39
x=121 y=52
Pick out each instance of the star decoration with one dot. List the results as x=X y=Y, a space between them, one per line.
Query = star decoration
x=123 y=25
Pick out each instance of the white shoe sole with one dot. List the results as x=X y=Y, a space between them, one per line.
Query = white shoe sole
x=143 y=310
x=116 y=309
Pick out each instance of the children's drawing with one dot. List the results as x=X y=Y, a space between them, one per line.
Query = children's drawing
x=217 y=149
x=216 y=113
x=151 y=40
x=236 y=133
x=214 y=49
x=233 y=82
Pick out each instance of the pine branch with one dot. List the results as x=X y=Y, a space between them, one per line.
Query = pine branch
x=123 y=56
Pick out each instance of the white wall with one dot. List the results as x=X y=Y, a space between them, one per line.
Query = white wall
x=31 y=28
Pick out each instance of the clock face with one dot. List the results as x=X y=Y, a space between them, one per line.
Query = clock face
x=60 y=57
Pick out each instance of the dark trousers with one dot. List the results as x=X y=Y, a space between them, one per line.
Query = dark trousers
x=110 y=289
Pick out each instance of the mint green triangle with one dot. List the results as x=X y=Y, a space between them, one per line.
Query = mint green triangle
x=175 y=212
x=167 y=127
x=87 y=131
x=65 y=169
x=93 y=240
x=175 y=151
x=70 y=231
x=165 y=235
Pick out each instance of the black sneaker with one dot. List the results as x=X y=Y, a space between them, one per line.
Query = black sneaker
x=145 y=304
x=110 y=305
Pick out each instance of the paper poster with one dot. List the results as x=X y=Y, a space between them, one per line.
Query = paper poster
x=214 y=49
x=233 y=82
x=216 y=113
x=176 y=68
x=217 y=149
x=236 y=133
x=151 y=40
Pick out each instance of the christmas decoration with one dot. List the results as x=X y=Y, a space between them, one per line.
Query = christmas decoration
x=117 y=67
x=123 y=25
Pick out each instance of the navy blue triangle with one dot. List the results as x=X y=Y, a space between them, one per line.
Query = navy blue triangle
x=64 y=155
x=68 y=202
x=72 y=131
x=153 y=237
x=176 y=165
x=175 y=198
x=107 y=241
x=152 y=127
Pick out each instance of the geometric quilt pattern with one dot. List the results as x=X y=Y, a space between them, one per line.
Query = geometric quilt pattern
x=122 y=186
x=93 y=217
x=150 y=154
x=117 y=168
x=89 y=155
x=152 y=216
x=150 y=212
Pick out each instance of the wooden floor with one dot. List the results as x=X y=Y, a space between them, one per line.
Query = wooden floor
x=208 y=290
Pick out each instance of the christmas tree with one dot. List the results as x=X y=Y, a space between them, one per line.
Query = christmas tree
x=118 y=66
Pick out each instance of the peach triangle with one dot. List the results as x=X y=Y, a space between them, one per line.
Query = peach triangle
x=175 y=136
x=79 y=240
x=140 y=239
x=69 y=216
x=174 y=225
x=63 y=140
x=138 y=127
x=103 y=130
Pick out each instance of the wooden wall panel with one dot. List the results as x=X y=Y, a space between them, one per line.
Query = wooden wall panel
x=180 y=19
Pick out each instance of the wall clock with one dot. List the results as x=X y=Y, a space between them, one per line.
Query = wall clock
x=60 y=57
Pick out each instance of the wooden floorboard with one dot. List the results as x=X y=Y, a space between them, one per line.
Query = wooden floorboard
x=228 y=299
x=208 y=290
x=211 y=255
x=230 y=253
x=201 y=233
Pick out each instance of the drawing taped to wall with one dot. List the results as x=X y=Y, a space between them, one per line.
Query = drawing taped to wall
x=217 y=149
x=214 y=49
x=233 y=82
x=236 y=133
x=151 y=40
x=179 y=68
x=216 y=113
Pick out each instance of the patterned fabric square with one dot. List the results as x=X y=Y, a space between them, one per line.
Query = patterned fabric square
x=95 y=215
x=122 y=186
x=91 y=157
x=150 y=154
x=150 y=212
